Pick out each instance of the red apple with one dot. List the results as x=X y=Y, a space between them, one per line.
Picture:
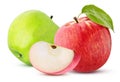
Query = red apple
x=52 y=59
x=89 y=40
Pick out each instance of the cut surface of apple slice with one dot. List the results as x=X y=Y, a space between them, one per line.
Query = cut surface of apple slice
x=52 y=59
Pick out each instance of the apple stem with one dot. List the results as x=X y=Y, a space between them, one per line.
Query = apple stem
x=51 y=17
x=76 y=20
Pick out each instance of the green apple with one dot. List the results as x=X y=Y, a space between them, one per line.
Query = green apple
x=30 y=27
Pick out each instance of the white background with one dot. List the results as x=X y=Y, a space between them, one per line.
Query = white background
x=12 y=70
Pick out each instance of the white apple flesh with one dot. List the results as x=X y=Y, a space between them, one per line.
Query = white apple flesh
x=52 y=59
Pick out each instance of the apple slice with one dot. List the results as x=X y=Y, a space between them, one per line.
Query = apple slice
x=52 y=59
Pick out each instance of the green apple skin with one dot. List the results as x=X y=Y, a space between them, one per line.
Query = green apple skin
x=30 y=27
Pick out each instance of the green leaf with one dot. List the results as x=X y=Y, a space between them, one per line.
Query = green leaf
x=98 y=16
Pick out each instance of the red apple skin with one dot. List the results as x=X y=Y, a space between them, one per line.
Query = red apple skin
x=89 y=40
